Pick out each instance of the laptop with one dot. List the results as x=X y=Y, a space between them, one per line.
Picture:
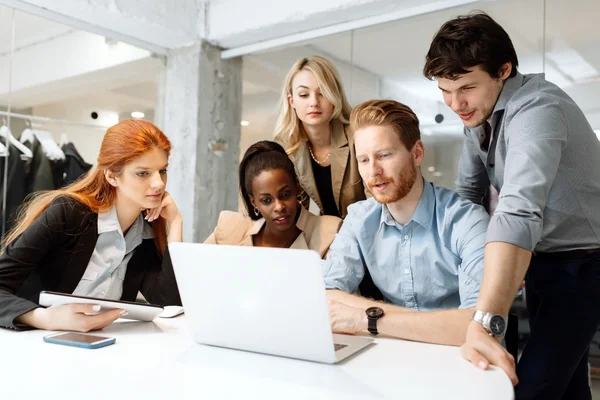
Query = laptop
x=258 y=299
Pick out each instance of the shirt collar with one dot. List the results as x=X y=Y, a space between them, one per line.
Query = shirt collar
x=108 y=222
x=139 y=231
x=424 y=213
x=147 y=232
x=511 y=85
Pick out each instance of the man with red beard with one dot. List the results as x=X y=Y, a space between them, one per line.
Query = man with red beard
x=423 y=245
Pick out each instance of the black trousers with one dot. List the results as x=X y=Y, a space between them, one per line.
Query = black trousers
x=563 y=301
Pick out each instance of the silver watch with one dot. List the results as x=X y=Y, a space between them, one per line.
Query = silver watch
x=494 y=324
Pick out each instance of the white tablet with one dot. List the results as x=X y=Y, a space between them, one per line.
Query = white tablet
x=137 y=311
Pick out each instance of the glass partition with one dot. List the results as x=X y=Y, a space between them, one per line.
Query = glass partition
x=64 y=87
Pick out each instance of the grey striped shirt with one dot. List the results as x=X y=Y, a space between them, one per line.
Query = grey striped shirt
x=544 y=160
x=105 y=273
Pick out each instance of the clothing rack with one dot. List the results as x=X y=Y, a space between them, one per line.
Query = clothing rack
x=43 y=120
x=50 y=120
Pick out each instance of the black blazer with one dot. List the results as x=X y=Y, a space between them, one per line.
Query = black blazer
x=54 y=252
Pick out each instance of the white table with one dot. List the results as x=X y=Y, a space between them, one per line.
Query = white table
x=159 y=360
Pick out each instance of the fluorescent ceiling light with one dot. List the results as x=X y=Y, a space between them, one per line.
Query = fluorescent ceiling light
x=431 y=169
x=557 y=77
x=110 y=42
x=570 y=62
x=437 y=173
x=137 y=114
x=244 y=123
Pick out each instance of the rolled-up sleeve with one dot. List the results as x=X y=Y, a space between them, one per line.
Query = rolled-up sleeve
x=468 y=225
x=536 y=137
x=344 y=266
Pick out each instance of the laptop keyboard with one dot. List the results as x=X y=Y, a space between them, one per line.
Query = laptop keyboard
x=337 y=346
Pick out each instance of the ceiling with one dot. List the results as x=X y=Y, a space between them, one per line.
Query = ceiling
x=122 y=88
x=29 y=29
x=395 y=52
x=392 y=52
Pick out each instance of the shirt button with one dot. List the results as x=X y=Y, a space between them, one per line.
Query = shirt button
x=409 y=304
x=103 y=292
x=407 y=271
x=405 y=238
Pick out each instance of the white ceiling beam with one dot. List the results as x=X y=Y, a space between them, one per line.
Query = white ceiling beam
x=148 y=24
x=344 y=27
x=83 y=25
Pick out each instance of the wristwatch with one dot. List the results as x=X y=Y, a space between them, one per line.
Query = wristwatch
x=373 y=314
x=494 y=324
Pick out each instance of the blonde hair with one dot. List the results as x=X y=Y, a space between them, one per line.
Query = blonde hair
x=288 y=130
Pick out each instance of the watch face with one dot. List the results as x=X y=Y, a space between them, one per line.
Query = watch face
x=374 y=312
x=497 y=325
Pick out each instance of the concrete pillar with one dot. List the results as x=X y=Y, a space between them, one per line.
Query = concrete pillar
x=159 y=106
x=202 y=114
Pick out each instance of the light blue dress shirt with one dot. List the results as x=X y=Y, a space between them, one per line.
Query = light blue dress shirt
x=105 y=273
x=434 y=262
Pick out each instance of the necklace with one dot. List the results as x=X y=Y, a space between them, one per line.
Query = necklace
x=317 y=161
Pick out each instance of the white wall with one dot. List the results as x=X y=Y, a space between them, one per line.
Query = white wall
x=69 y=55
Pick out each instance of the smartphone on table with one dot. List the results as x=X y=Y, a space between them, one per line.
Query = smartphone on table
x=79 y=340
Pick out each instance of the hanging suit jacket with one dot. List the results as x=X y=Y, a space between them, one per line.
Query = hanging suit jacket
x=40 y=176
x=14 y=185
x=74 y=165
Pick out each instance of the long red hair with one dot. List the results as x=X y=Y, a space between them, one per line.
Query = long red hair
x=122 y=143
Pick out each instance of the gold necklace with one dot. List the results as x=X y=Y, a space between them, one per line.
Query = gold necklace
x=317 y=161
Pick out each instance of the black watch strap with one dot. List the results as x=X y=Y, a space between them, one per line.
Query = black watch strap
x=373 y=326
x=373 y=314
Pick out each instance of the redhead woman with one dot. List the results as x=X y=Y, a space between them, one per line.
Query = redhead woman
x=103 y=236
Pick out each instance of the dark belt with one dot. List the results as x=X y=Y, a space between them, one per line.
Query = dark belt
x=566 y=255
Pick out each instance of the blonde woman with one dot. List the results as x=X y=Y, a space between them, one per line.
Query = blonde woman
x=312 y=127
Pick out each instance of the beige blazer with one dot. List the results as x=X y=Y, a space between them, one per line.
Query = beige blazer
x=236 y=229
x=347 y=185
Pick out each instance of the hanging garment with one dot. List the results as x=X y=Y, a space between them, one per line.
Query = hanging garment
x=15 y=186
x=24 y=151
x=49 y=146
x=40 y=176
x=74 y=165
